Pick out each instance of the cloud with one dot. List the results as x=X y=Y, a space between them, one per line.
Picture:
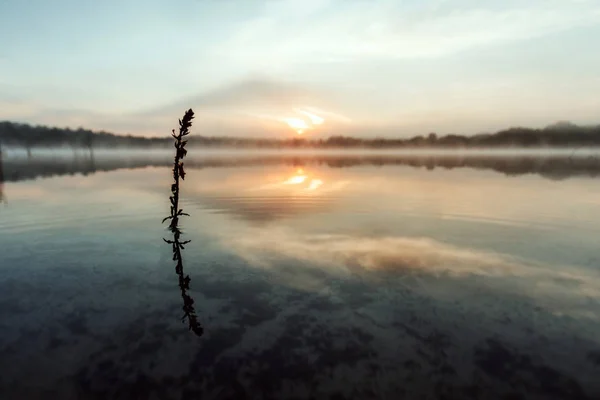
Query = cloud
x=255 y=105
x=252 y=107
x=244 y=108
x=565 y=289
x=383 y=68
x=352 y=30
x=247 y=94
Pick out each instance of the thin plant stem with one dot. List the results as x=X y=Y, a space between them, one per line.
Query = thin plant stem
x=176 y=212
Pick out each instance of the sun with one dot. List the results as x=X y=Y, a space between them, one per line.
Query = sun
x=297 y=124
x=306 y=122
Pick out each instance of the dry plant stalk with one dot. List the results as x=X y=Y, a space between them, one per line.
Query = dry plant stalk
x=176 y=212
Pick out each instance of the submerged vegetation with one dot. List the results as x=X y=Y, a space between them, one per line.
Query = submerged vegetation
x=176 y=212
x=562 y=134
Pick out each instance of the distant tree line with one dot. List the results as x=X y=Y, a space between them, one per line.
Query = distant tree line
x=29 y=136
x=562 y=134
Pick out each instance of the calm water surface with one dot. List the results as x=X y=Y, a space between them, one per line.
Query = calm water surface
x=342 y=278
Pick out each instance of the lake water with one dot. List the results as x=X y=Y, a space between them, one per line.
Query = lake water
x=314 y=277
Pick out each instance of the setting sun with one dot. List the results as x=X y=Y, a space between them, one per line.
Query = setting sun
x=297 y=124
x=314 y=119
x=309 y=121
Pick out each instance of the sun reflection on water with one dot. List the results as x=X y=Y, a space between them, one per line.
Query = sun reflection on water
x=300 y=177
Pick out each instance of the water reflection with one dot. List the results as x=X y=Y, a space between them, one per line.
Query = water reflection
x=569 y=290
x=301 y=177
x=176 y=212
x=300 y=180
x=263 y=195
x=315 y=282
x=296 y=179
x=1 y=177
x=555 y=167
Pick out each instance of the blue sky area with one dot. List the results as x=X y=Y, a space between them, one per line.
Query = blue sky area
x=319 y=67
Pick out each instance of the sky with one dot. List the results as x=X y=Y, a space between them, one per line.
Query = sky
x=280 y=68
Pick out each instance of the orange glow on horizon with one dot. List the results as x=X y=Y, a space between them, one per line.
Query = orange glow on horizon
x=314 y=119
x=309 y=121
x=297 y=124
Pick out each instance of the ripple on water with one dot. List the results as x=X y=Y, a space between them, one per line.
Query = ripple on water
x=263 y=208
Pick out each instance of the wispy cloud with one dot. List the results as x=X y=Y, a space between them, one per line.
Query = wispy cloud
x=351 y=30
x=381 y=67
x=245 y=108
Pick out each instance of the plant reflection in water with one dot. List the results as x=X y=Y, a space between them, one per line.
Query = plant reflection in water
x=176 y=212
